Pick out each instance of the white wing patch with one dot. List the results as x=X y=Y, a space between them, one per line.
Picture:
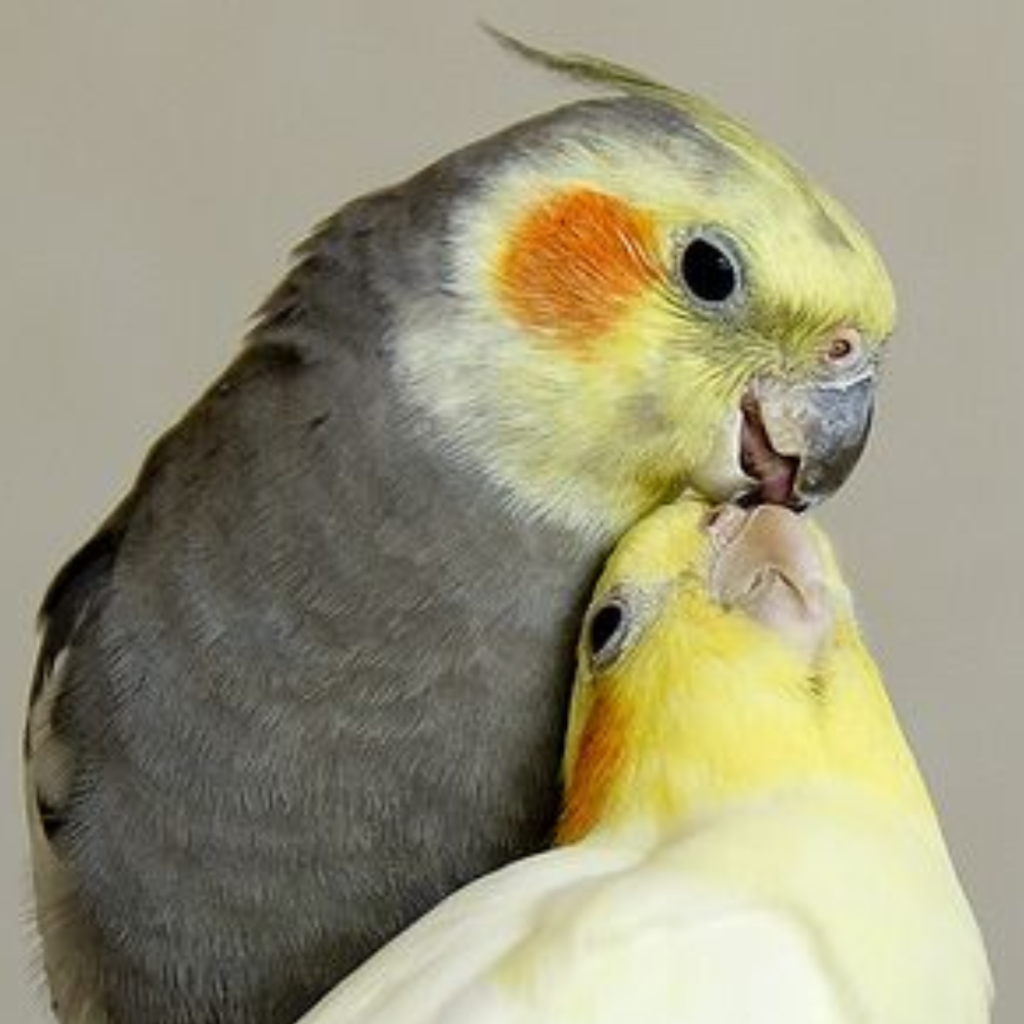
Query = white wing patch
x=68 y=944
x=49 y=765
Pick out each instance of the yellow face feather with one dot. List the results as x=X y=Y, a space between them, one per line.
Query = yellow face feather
x=704 y=705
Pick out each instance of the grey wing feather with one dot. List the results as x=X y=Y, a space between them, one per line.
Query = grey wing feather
x=313 y=674
x=70 y=947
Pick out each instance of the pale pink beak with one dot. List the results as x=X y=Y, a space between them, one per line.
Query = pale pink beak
x=766 y=563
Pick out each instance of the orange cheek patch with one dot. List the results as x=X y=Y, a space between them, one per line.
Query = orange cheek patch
x=599 y=762
x=575 y=263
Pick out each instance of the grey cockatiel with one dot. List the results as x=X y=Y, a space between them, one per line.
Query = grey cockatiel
x=312 y=673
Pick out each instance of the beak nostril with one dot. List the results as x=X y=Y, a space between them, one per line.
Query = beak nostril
x=839 y=349
x=844 y=344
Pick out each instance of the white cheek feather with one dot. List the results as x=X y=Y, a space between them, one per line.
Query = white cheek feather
x=456 y=400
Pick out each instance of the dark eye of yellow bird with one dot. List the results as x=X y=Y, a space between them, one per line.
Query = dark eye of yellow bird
x=709 y=272
x=607 y=632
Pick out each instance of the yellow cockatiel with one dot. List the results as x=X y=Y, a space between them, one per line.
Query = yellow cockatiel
x=744 y=837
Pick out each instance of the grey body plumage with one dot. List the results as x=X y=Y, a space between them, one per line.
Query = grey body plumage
x=312 y=673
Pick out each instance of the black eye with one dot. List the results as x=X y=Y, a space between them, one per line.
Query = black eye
x=607 y=631
x=709 y=271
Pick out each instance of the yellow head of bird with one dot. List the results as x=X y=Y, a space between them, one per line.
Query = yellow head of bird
x=719 y=661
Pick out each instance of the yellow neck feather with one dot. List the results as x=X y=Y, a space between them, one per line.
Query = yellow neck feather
x=719 y=711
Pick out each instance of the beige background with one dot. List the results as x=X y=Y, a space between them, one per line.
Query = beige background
x=159 y=159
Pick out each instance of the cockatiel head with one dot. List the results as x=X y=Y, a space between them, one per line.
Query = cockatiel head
x=638 y=296
x=720 y=660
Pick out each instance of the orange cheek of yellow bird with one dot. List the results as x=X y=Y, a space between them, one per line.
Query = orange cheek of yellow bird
x=598 y=764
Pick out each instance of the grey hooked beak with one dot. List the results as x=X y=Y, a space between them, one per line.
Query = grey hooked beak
x=799 y=443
